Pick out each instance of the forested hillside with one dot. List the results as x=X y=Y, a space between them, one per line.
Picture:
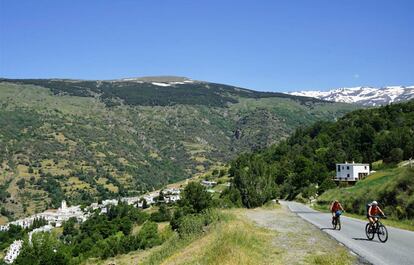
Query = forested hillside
x=304 y=163
x=88 y=140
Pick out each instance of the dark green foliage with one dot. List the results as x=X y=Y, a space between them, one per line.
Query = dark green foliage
x=162 y=215
x=21 y=183
x=144 y=203
x=254 y=179
x=396 y=155
x=4 y=194
x=308 y=157
x=148 y=235
x=38 y=222
x=194 y=211
x=51 y=185
x=230 y=197
x=147 y=94
x=190 y=225
x=69 y=227
x=195 y=198
x=16 y=232
x=7 y=237
x=107 y=235
x=44 y=249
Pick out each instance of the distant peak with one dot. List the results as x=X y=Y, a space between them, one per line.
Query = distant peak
x=160 y=79
x=364 y=95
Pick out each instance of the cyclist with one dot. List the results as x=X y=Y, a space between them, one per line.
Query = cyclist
x=336 y=209
x=373 y=211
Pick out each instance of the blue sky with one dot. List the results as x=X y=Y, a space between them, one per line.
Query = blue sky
x=263 y=45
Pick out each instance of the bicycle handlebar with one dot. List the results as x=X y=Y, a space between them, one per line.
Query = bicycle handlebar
x=379 y=216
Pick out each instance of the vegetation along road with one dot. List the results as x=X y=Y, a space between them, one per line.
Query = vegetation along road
x=397 y=250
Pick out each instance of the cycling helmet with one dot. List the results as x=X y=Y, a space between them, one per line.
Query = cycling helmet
x=374 y=203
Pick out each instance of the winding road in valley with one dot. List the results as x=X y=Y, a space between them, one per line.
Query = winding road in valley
x=398 y=250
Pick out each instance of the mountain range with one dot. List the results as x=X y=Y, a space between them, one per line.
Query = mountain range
x=84 y=140
x=366 y=96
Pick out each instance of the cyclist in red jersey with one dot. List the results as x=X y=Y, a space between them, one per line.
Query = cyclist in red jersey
x=373 y=211
x=335 y=207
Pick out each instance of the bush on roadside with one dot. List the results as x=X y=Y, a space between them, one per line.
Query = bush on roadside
x=191 y=225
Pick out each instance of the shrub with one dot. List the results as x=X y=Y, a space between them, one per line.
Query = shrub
x=191 y=225
x=163 y=214
x=148 y=235
x=230 y=197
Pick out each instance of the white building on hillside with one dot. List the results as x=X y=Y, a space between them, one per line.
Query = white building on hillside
x=351 y=171
x=56 y=216
x=13 y=251
x=208 y=183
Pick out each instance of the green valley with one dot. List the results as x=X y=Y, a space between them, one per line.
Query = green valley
x=88 y=140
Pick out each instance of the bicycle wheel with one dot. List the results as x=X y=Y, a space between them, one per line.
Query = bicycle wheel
x=334 y=223
x=382 y=233
x=338 y=224
x=369 y=231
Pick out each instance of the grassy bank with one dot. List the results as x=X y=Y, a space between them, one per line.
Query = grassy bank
x=238 y=239
x=393 y=188
x=232 y=240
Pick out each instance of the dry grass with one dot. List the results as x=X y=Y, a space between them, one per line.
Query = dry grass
x=3 y=220
x=234 y=240
x=268 y=235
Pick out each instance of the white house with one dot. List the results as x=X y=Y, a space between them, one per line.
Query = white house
x=13 y=251
x=208 y=183
x=351 y=171
x=170 y=198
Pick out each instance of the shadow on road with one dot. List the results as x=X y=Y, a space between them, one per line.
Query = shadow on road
x=364 y=239
x=302 y=211
x=326 y=228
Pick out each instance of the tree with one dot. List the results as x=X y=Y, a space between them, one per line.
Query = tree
x=44 y=249
x=254 y=179
x=148 y=235
x=163 y=214
x=69 y=227
x=195 y=197
x=396 y=155
x=21 y=183
x=231 y=197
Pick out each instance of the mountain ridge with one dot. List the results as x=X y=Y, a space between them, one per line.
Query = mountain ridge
x=363 y=95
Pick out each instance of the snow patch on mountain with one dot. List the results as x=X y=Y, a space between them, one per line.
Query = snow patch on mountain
x=367 y=96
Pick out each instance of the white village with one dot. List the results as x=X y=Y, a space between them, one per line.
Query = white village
x=56 y=217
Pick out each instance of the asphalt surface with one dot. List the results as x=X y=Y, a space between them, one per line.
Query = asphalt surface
x=398 y=250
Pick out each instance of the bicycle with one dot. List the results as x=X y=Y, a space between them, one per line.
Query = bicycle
x=336 y=223
x=377 y=228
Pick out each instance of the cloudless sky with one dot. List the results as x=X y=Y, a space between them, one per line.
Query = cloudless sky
x=264 y=45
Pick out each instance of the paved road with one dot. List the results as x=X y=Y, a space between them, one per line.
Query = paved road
x=398 y=250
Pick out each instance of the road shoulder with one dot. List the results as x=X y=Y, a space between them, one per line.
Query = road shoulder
x=301 y=242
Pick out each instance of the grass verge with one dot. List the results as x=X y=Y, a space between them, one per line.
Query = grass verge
x=231 y=241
